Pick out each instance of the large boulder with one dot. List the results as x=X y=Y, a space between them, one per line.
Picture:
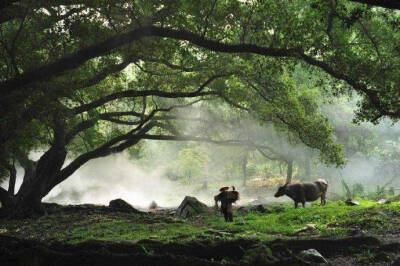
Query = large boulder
x=153 y=205
x=351 y=202
x=190 y=207
x=259 y=201
x=313 y=256
x=307 y=228
x=122 y=206
x=382 y=201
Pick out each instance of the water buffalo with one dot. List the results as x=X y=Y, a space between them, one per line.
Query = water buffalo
x=302 y=192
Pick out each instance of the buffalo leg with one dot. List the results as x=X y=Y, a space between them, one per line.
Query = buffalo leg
x=295 y=204
x=323 y=198
x=304 y=204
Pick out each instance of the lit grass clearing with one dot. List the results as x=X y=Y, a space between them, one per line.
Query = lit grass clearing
x=334 y=220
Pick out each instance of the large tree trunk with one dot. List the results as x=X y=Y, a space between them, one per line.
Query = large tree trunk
x=39 y=178
x=7 y=203
x=13 y=177
x=7 y=198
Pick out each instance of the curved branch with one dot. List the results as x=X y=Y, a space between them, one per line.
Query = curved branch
x=144 y=93
x=203 y=139
x=121 y=122
x=371 y=94
x=107 y=148
x=268 y=156
x=79 y=128
x=111 y=118
x=371 y=39
x=74 y=60
x=105 y=73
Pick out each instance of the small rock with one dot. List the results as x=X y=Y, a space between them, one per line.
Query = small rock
x=240 y=223
x=153 y=205
x=382 y=201
x=351 y=202
x=259 y=201
x=307 y=228
x=312 y=255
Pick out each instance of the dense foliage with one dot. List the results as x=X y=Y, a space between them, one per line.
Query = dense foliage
x=85 y=79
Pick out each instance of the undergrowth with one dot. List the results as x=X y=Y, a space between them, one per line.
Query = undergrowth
x=336 y=219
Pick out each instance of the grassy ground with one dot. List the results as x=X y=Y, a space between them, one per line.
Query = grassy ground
x=335 y=219
x=280 y=221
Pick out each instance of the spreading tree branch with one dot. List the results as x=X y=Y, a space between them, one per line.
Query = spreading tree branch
x=269 y=156
x=129 y=139
x=231 y=142
x=74 y=60
x=135 y=93
x=111 y=117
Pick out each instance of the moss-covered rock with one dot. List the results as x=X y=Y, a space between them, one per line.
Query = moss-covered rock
x=190 y=207
x=123 y=206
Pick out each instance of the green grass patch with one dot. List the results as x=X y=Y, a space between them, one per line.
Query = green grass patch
x=336 y=219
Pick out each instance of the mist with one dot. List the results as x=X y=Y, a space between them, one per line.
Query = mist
x=167 y=171
x=366 y=165
x=117 y=176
